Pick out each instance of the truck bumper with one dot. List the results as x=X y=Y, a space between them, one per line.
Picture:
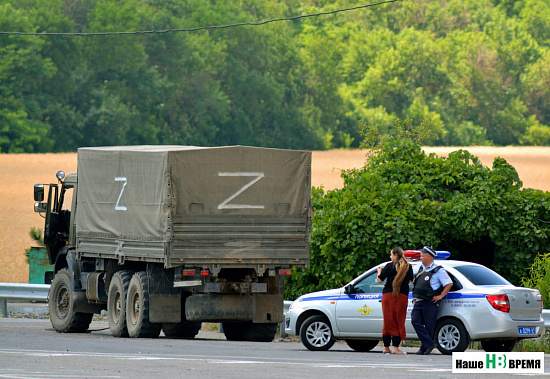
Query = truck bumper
x=258 y=308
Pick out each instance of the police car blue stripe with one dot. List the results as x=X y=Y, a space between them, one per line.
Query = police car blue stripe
x=455 y=295
x=333 y=297
x=378 y=296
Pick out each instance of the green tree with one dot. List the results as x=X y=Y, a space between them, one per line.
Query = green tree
x=537 y=134
x=535 y=87
x=476 y=71
x=535 y=16
x=22 y=70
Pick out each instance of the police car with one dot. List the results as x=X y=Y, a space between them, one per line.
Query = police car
x=481 y=306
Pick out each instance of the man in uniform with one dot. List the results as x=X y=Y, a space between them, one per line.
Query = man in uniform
x=431 y=284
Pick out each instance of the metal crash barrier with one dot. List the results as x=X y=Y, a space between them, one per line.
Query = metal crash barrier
x=21 y=291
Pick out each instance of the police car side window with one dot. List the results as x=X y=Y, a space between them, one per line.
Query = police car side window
x=456 y=284
x=369 y=285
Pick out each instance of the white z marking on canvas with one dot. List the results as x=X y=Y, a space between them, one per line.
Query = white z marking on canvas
x=117 y=206
x=224 y=204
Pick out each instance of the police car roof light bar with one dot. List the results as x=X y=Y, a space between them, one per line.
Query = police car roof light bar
x=415 y=254
x=442 y=254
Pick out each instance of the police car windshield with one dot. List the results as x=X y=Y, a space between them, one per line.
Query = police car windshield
x=481 y=276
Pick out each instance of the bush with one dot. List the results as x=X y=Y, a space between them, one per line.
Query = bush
x=539 y=277
x=36 y=235
x=541 y=344
x=403 y=197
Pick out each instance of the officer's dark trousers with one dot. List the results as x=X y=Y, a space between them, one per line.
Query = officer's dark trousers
x=423 y=318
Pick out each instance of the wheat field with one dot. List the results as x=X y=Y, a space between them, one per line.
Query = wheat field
x=19 y=173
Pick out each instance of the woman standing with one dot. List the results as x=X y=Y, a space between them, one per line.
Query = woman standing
x=395 y=298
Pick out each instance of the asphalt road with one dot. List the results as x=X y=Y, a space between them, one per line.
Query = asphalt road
x=32 y=349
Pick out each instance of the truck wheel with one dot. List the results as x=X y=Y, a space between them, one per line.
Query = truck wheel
x=248 y=331
x=262 y=332
x=184 y=329
x=61 y=305
x=497 y=346
x=234 y=331
x=116 y=303
x=316 y=333
x=362 y=345
x=451 y=336
x=137 y=308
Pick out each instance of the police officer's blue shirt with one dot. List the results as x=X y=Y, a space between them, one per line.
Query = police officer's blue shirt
x=438 y=279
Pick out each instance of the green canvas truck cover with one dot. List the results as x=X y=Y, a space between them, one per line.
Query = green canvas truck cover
x=134 y=193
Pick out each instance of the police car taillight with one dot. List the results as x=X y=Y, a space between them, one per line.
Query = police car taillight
x=499 y=302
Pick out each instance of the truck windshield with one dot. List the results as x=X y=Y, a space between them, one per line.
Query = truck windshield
x=482 y=276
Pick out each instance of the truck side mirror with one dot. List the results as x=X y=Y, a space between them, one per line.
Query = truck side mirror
x=40 y=207
x=348 y=289
x=38 y=192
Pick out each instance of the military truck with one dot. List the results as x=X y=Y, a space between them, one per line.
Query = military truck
x=167 y=237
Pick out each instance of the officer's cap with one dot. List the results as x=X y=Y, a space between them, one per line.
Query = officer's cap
x=428 y=250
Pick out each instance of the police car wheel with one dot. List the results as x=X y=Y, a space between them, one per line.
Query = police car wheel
x=362 y=345
x=451 y=336
x=316 y=333
x=498 y=346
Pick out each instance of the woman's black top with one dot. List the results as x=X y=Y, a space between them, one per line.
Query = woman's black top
x=389 y=272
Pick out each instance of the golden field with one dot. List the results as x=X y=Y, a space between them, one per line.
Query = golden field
x=19 y=173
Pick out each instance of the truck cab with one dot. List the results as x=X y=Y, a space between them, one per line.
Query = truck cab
x=59 y=220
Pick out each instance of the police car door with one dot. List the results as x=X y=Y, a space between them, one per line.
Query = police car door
x=359 y=313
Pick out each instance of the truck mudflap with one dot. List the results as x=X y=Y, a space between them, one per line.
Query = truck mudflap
x=165 y=308
x=258 y=308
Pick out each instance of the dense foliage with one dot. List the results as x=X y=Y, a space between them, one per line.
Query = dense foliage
x=403 y=197
x=476 y=71
x=539 y=278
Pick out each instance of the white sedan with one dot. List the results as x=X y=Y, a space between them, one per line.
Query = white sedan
x=481 y=306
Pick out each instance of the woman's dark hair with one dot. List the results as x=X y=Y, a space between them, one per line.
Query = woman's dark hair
x=401 y=266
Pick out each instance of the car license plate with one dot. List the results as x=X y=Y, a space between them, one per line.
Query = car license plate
x=526 y=330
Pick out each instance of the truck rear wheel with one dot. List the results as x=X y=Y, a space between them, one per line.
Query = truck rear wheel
x=263 y=332
x=248 y=331
x=116 y=303
x=234 y=331
x=184 y=329
x=61 y=306
x=137 y=309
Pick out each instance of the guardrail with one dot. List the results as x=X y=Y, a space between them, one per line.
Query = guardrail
x=21 y=291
